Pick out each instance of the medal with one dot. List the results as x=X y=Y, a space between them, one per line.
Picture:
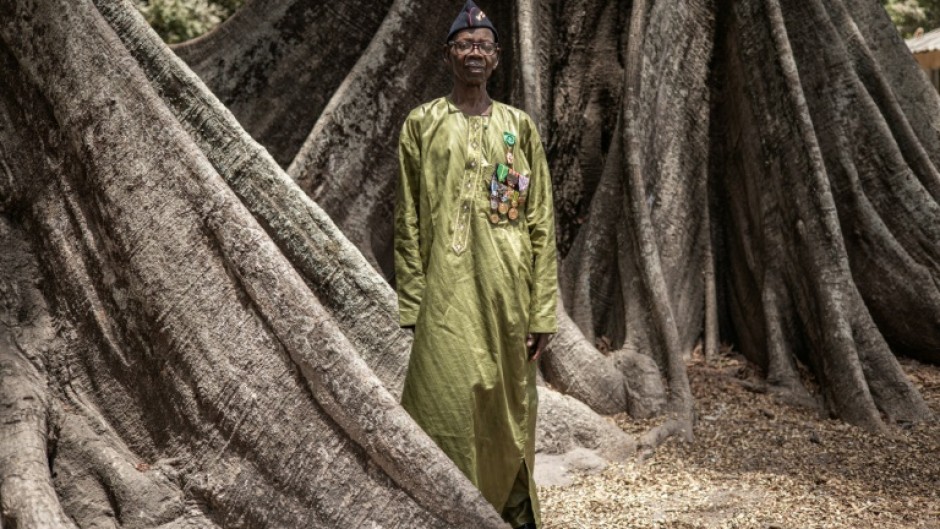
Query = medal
x=501 y=172
x=507 y=186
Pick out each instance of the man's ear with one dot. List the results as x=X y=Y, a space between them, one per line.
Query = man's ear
x=446 y=55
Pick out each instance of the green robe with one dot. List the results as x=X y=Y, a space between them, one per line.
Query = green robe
x=473 y=290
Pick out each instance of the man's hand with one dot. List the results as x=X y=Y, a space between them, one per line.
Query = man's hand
x=535 y=343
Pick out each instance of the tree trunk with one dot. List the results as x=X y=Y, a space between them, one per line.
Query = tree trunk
x=188 y=339
x=185 y=331
x=276 y=65
x=637 y=285
x=832 y=211
x=256 y=278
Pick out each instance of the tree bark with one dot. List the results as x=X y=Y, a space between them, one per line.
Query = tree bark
x=27 y=495
x=193 y=337
x=813 y=242
x=114 y=307
x=276 y=65
x=638 y=285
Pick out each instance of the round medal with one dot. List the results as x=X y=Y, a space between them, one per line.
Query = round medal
x=494 y=218
x=513 y=214
x=503 y=207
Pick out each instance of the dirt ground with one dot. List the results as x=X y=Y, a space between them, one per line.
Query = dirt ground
x=758 y=463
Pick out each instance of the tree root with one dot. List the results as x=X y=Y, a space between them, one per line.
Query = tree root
x=656 y=436
x=359 y=300
x=56 y=470
x=205 y=310
x=100 y=481
x=565 y=424
x=808 y=243
x=27 y=497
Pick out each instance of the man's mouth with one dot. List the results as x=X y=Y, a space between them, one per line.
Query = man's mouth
x=475 y=65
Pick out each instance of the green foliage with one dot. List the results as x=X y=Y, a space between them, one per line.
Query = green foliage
x=179 y=20
x=907 y=15
x=932 y=12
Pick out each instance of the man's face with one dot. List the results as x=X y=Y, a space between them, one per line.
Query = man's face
x=472 y=67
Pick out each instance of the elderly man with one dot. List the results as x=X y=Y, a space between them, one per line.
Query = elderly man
x=476 y=272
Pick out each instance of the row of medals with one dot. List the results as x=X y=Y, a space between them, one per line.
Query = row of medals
x=508 y=188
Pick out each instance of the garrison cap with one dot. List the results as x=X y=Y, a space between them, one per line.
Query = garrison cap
x=471 y=17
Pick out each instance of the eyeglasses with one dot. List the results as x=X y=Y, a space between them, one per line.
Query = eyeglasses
x=463 y=47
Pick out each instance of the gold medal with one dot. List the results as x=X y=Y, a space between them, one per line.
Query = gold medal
x=514 y=203
x=503 y=207
x=513 y=213
x=494 y=218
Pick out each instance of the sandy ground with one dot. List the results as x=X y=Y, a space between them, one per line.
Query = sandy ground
x=758 y=463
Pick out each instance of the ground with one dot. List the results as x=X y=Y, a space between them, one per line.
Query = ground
x=759 y=463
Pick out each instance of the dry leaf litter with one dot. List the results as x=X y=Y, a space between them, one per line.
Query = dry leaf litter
x=759 y=463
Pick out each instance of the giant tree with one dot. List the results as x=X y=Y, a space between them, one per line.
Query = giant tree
x=200 y=333
x=703 y=156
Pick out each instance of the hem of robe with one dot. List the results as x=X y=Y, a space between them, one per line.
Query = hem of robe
x=530 y=514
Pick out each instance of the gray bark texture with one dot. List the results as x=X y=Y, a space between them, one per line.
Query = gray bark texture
x=830 y=188
x=198 y=324
x=210 y=385
x=276 y=65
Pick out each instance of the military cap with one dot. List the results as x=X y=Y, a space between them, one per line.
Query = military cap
x=471 y=17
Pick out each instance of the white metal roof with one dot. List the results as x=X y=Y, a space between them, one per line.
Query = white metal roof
x=929 y=41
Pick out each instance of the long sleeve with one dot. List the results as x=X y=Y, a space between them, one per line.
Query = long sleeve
x=409 y=270
x=540 y=216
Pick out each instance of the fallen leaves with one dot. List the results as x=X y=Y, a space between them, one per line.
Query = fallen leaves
x=757 y=463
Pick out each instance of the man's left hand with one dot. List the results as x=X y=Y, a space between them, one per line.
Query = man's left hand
x=535 y=343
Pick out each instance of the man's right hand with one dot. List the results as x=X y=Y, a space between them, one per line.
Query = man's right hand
x=536 y=343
